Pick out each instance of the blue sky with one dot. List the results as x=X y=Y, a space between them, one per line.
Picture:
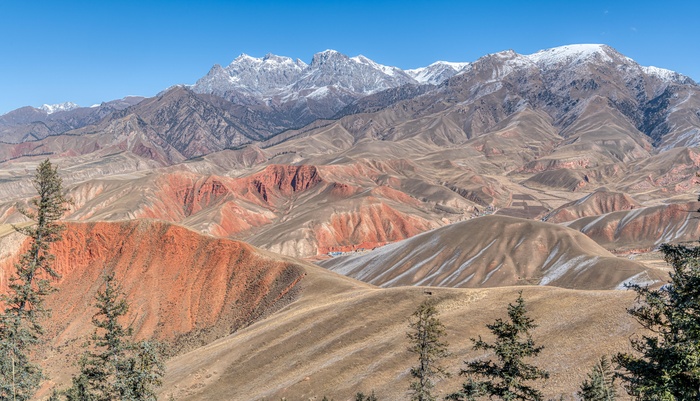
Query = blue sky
x=93 y=51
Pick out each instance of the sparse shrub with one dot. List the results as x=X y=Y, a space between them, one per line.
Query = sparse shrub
x=362 y=397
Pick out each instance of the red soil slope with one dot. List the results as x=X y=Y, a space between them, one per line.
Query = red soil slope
x=596 y=203
x=642 y=229
x=184 y=288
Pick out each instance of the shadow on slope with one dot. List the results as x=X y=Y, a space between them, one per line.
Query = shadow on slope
x=494 y=251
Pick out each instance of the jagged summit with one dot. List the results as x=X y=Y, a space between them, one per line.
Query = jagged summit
x=326 y=56
x=574 y=54
x=271 y=94
x=437 y=72
x=274 y=75
x=53 y=108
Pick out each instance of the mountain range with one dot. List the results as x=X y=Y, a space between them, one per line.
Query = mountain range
x=559 y=172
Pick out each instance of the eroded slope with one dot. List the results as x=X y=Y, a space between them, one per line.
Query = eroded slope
x=184 y=288
x=494 y=251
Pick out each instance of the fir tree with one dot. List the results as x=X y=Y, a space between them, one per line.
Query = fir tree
x=426 y=337
x=507 y=378
x=115 y=368
x=20 y=322
x=600 y=385
x=668 y=364
x=145 y=371
x=362 y=397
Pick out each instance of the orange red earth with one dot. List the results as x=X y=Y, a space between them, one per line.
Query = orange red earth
x=183 y=287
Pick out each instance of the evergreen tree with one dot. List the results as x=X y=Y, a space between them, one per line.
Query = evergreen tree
x=668 y=364
x=361 y=397
x=426 y=337
x=20 y=325
x=116 y=368
x=507 y=377
x=600 y=385
x=145 y=371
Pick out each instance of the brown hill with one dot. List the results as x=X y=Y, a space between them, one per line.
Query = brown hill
x=642 y=229
x=336 y=337
x=596 y=203
x=184 y=288
x=494 y=251
x=336 y=342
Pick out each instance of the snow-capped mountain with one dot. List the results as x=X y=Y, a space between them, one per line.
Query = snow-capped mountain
x=282 y=77
x=277 y=75
x=257 y=76
x=356 y=75
x=296 y=93
x=256 y=98
x=30 y=123
x=52 y=108
x=586 y=54
x=580 y=58
x=437 y=72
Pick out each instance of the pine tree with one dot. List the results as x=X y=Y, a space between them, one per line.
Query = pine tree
x=145 y=371
x=507 y=377
x=600 y=385
x=362 y=397
x=115 y=368
x=426 y=337
x=20 y=322
x=668 y=364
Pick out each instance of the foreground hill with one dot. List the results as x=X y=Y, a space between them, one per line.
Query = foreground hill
x=184 y=288
x=494 y=251
x=337 y=341
x=313 y=332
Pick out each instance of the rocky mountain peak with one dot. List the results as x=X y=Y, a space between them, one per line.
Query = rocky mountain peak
x=53 y=108
x=436 y=72
x=667 y=75
x=575 y=54
x=251 y=75
x=327 y=57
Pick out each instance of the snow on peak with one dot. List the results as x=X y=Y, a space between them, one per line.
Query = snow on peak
x=244 y=57
x=327 y=56
x=391 y=71
x=53 y=108
x=455 y=66
x=664 y=74
x=437 y=72
x=571 y=54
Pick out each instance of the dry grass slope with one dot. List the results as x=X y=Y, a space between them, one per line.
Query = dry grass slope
x=339 y=338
